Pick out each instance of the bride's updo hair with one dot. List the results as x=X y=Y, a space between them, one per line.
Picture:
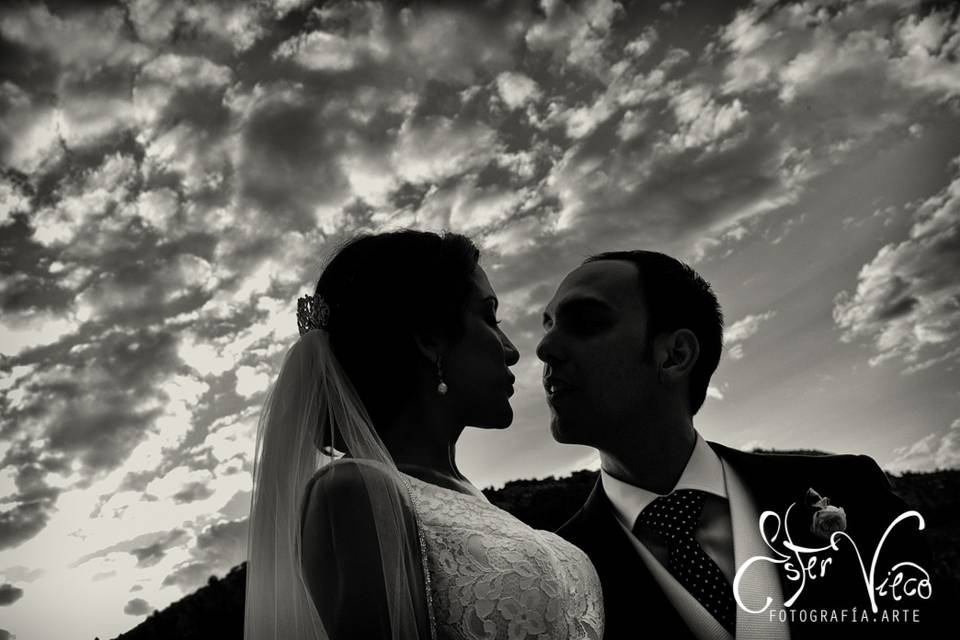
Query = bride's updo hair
x=385 y=289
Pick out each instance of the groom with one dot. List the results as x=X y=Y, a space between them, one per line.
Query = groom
x=631 y=341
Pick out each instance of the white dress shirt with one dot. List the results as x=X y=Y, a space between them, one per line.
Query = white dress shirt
x=728 y=532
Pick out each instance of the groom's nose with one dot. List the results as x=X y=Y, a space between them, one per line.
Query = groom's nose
x=547 y=349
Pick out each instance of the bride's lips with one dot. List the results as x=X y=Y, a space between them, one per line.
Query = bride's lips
x=510 y=380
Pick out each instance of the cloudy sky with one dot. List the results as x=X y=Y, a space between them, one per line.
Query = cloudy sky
x=175 y=173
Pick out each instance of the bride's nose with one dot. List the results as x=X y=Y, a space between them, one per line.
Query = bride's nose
x=510 y=352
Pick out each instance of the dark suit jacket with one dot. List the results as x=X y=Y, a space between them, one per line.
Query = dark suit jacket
x=635 y=604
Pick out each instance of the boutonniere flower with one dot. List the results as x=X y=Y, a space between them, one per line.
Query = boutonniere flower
x=827 y=518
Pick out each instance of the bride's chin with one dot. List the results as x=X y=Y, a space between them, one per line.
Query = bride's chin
x=498 y=422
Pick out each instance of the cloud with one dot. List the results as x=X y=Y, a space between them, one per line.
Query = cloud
x=192 y=491
x=87 y=119
x=932 y=452
x=288 y=156
x=629 y=85
x=906 y=300
x=154 y=20
x=171 y=87
x=235 y=27
x=469 y=206
x=855 y=72
x=672 y=8
x=516 y=89
x=78 y=418
x=669 y=180
x=931 y=44
x=6 y=635
x=436 y=148
x=742 y=330
x=101 y=433
x=137 y=607
x=148 y=548
x=20 y=573
x=320 y=51
x=159 y=208
x=456 y=45
x=188 y=576
x=148 y=556
x=14 y=198
x=251 y=382
x=830 y=61
x=29 y=137
x=583 y=120
x=25 y=331
x=9 y=594
x=238 y=25
x=86 y=40
x=460 y=45
x=189 y=154
x=182 y=484
x=576 y=36
x=642 y=43
x=24 y=520
x=152 y=553
x=702 y=122
x=218 y=548
x=86 y=201
x=362 y=38
x=632 y=125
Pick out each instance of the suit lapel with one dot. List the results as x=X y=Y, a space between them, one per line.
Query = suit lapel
x=775 y=482
x=630 y=591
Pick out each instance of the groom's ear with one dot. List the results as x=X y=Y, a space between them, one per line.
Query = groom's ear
x=679 y=351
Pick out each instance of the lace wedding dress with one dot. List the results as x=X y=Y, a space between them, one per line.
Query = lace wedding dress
x=349 y=546
x=492 y=577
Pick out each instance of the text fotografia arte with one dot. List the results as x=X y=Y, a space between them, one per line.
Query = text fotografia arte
x=843 y=615
x=803 y=564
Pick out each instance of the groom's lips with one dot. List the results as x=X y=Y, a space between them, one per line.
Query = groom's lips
x=556 y=387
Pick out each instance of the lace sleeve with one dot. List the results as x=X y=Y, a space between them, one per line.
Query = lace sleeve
x=361 y=554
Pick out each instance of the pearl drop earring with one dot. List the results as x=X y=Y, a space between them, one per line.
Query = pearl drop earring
x=442 y=386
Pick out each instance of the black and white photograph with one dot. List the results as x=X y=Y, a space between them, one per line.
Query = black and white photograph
x=479 y=319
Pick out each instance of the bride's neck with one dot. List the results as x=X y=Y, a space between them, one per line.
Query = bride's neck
x=424 y=439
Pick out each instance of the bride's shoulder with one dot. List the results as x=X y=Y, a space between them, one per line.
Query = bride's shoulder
x=354 y=467
x=346 y=479
x=355 y=500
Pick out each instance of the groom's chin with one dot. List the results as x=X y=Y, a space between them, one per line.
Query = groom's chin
x=559 y=432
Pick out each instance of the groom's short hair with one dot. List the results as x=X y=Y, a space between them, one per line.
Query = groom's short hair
x=676 y=297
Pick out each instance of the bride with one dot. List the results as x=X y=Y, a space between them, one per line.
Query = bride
x=362 y=526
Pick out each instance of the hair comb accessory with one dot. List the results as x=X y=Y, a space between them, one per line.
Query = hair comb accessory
x=313 y=312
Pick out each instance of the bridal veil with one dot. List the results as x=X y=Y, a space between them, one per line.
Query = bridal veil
x=310 y=407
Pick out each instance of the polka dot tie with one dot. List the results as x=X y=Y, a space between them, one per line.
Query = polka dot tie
x=674 y=518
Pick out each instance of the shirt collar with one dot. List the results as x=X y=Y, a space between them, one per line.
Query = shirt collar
x=704 y=471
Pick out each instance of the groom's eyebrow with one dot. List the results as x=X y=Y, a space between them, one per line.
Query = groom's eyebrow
x=576 y=307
